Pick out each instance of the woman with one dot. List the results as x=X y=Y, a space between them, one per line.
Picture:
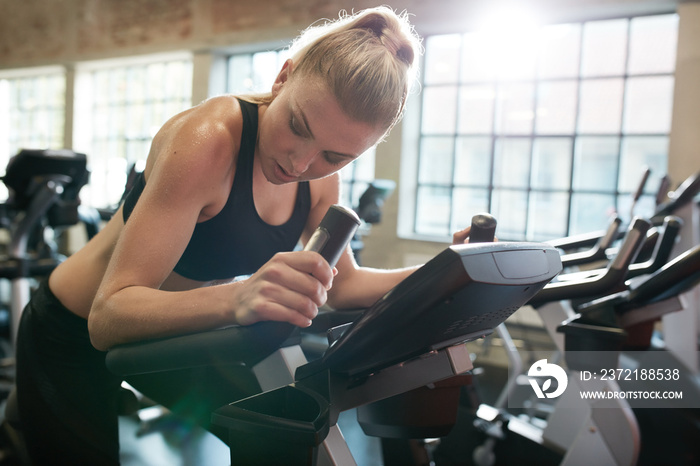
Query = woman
x=230 y=186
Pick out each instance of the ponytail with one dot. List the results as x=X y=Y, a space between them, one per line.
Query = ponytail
x=367 y=59
x=389 y=32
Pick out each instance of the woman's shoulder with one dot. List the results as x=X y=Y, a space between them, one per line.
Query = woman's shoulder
x=210 y=129
x=222 y=113
x=198 y=147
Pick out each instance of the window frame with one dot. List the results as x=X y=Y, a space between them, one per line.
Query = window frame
x=31 y=73
x=413 y=134
x=84 y=139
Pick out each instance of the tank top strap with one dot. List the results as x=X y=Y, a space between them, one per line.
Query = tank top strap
x=249 y=137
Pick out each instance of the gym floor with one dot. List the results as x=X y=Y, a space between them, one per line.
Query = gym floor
x=166 y=442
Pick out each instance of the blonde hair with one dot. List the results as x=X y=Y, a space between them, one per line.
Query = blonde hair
x=368 y=60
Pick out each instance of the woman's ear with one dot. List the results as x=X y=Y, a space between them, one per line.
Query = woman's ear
x=282 y=77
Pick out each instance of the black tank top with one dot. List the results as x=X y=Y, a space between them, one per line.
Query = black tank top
x=236 y=241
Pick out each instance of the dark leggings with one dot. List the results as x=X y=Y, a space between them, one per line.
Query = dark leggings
x=68 y=400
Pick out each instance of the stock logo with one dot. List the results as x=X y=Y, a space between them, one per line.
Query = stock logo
x=542 y=369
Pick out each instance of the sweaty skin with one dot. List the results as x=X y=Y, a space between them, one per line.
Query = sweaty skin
x=123 y=282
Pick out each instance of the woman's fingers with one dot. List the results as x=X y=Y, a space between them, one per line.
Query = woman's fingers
x=290 y=287
x=461 y=236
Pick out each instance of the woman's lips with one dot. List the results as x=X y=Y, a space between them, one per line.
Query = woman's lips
x=282 y=175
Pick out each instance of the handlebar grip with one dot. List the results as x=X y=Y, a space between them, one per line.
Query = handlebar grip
x=631 y=244
x=662 y=192
x=642 y=183
x=334 y=233
x=483 y=228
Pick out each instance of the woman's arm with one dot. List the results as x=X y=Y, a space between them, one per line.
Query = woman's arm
x=353 y=286
x=357 y=287
x=189 y=176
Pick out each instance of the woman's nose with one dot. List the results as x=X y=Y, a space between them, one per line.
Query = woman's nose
x=301 y=161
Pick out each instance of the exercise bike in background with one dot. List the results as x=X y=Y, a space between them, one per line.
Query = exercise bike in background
x=369 y=210
x=636 y=293
x=44 y=187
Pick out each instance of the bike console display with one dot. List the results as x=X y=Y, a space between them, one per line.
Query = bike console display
x=461 y=294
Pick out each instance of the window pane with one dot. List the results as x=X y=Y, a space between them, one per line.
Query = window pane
x=31 y=115
x=476 y=105
x=595 y=163
x=583 y=120
x=240 y=74
x=473 y=161
x=265 y=70
x=551 y=163
x=136 y=149
x=648 y=105
x=135 y=124
x=548 y=216
x=604 y=48
x=346 y=178
x=512 y=162
x=346 y=195
x=179 y=79
x=435 y=160
x=600 y=106
x=638 y=152
x=465 y=204
x=442 y=59
x=355 y=178
x=156 y=78
x=510 y=208
x=364 y=166
x=439 y=110
x=556 y=107
x=121 y=109
x=515 y=109
x=653 y=44
x=590 y=212
x=516 y=52
x=487 y=56
x=135 y=77
x=644 y=207
x=347 y=172
x=559 y=51
x=478 y=62
x=433 y=211
x=254 y=72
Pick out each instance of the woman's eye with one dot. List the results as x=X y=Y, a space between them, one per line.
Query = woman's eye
x=293 y=126
x=333 y=160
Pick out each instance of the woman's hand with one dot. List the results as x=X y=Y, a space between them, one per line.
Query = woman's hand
x=461 y=236
x=289 y=288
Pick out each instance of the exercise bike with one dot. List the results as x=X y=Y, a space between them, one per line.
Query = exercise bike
x=44 y=187
x=409 y=341
x=581 y=429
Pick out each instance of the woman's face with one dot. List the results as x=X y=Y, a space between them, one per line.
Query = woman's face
x=305 y=135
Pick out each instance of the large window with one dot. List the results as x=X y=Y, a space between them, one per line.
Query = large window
x=119 y=109
x=31 y=111
x=548 y=129
x=255 y=72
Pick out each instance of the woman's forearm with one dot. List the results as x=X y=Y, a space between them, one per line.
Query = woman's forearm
x=364 y=286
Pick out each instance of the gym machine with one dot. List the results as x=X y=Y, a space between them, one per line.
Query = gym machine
x=44 y=186
x=410 y=341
